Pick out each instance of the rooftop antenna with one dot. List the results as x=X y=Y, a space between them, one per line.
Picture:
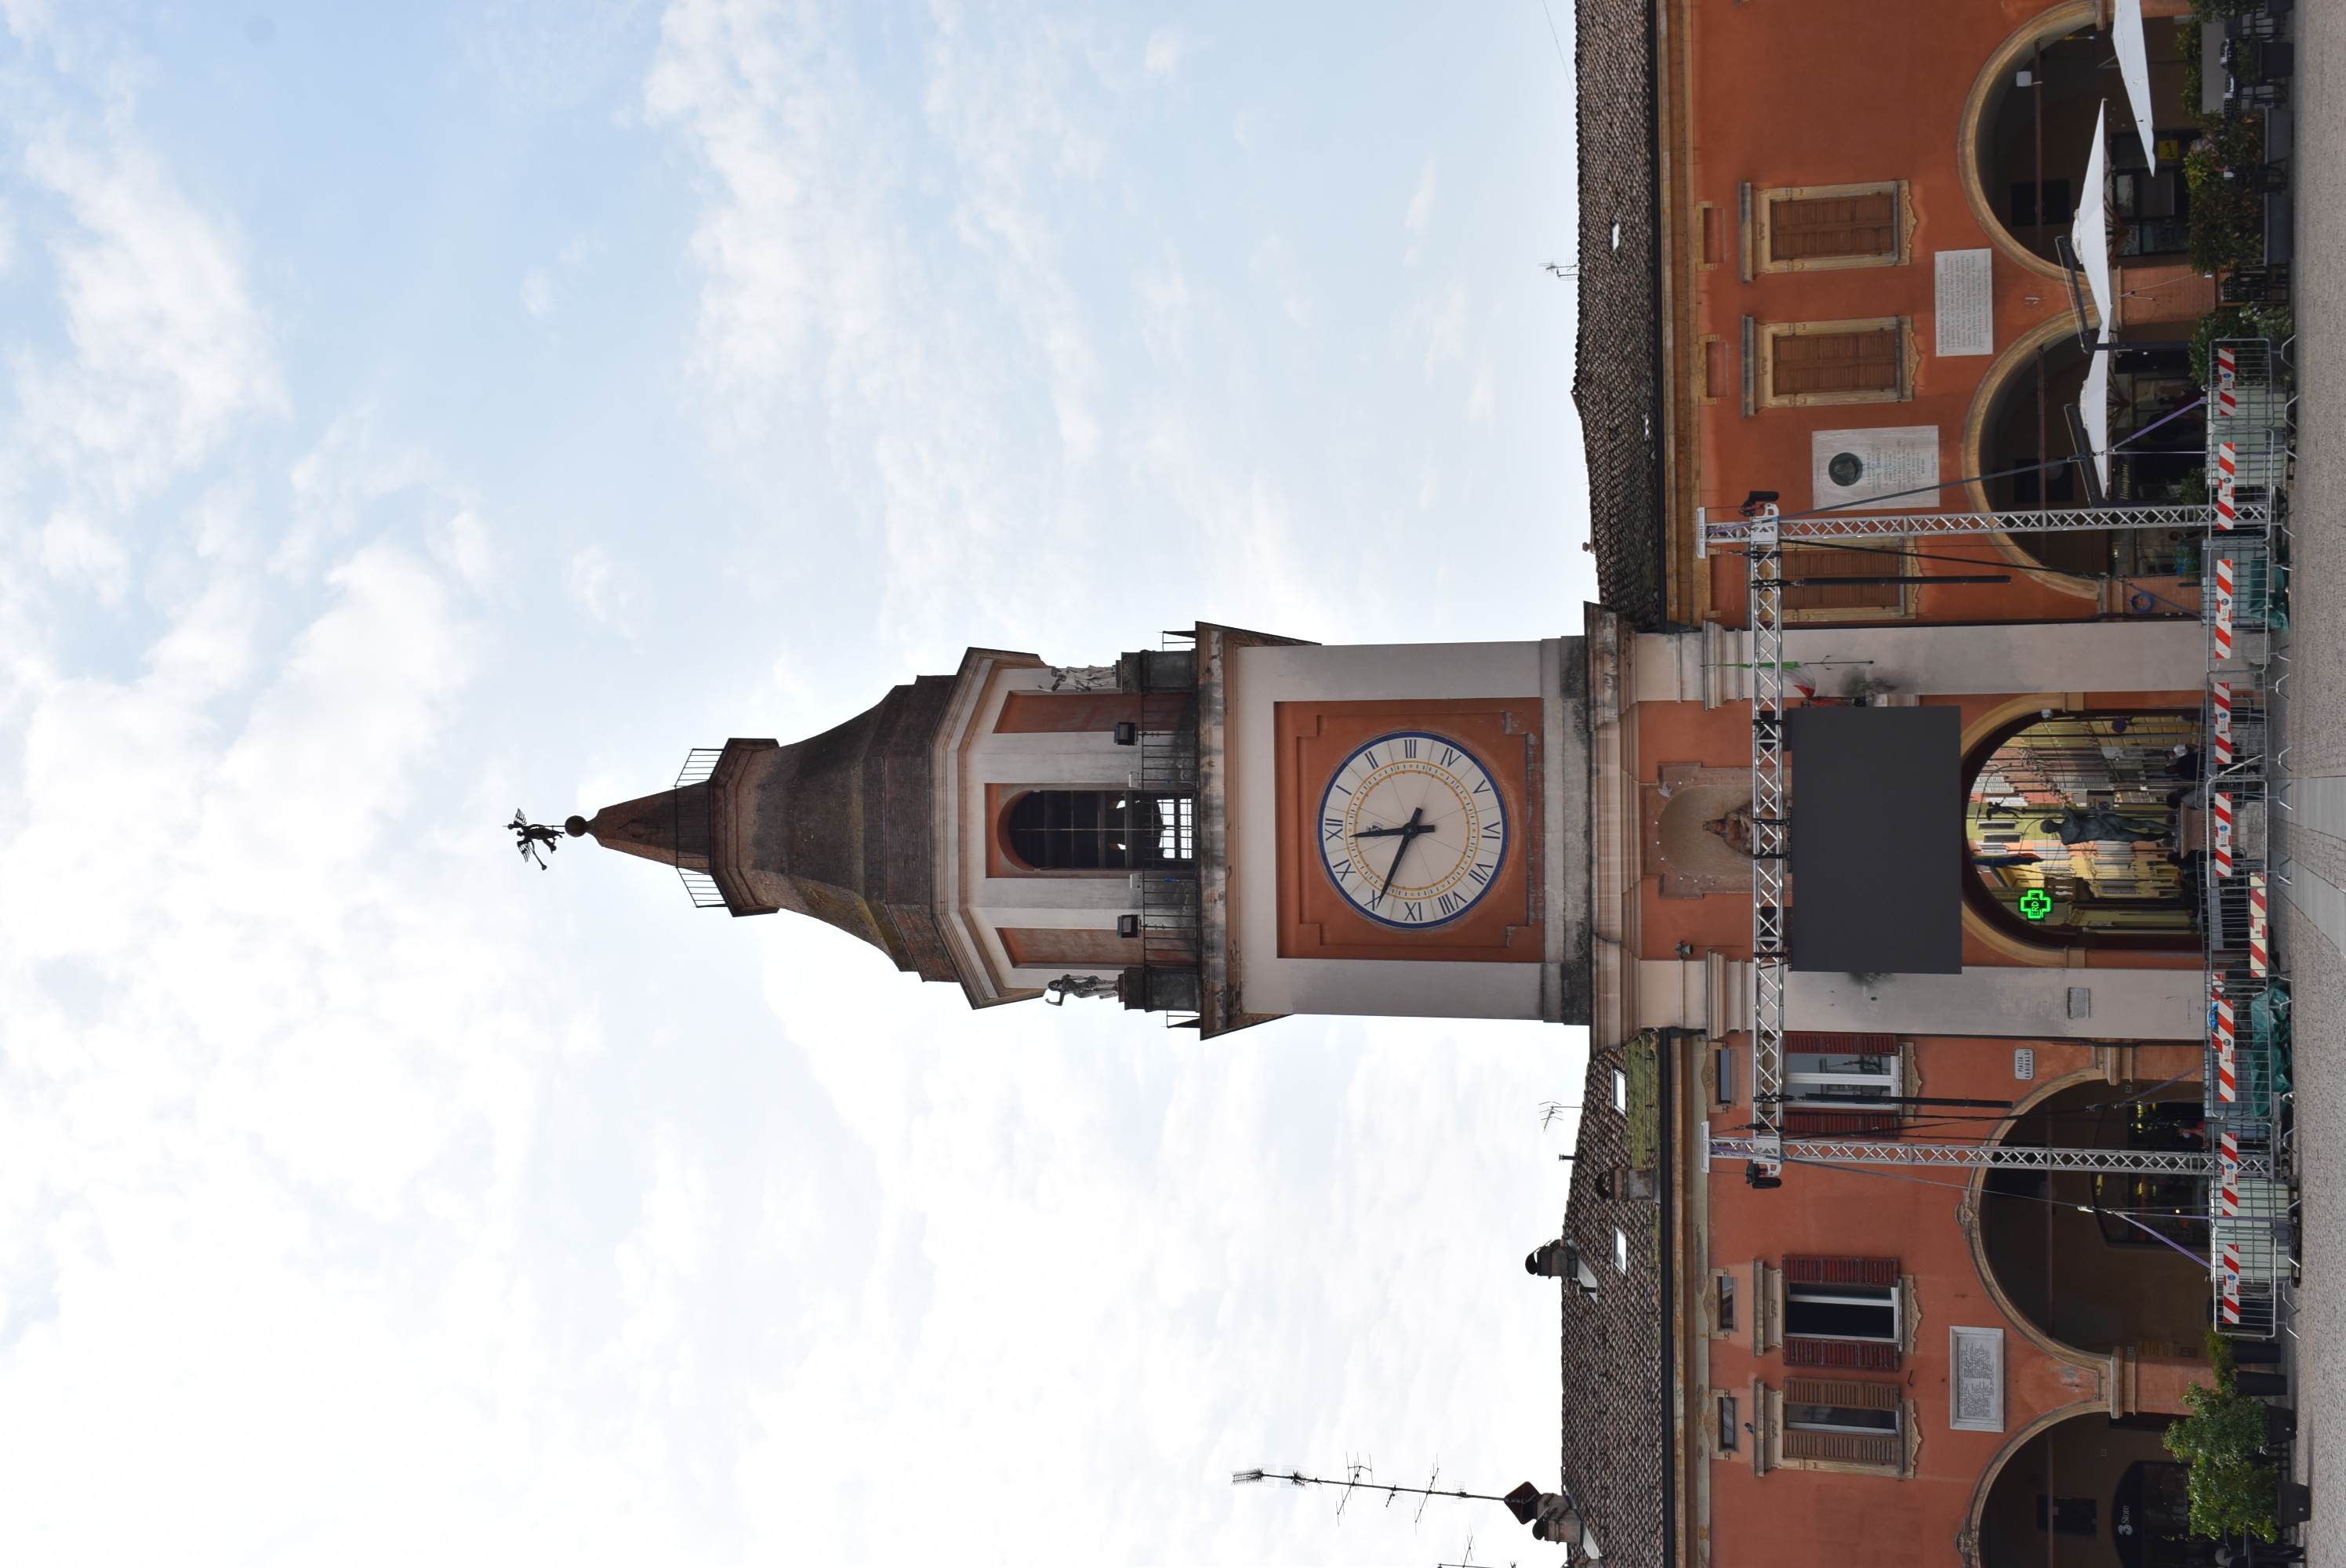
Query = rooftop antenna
x=1560 y=269
x=1353 y=1481
x=1466 y=1558
x=1547 y=1513
x=1433 y=1476
x=1550 y=1110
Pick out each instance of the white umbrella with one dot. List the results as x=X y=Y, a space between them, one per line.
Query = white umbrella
x=2134 y=66
x=2094 y=410
x=2090 y=238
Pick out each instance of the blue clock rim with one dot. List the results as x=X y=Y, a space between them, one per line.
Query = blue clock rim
x=1506 y=829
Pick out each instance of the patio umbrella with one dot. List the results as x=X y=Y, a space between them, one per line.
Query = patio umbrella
x=2094 y=409
x=2134 y=66
x=2091 y=235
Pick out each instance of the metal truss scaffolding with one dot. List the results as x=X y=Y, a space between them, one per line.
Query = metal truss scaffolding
x=1989 y=1157
x=1764 y=533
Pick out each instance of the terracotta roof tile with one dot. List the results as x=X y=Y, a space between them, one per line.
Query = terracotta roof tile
x=1615 y=383
x=1612 y=1345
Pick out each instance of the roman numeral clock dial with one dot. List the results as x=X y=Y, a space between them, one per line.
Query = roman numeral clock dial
x=1413 y=831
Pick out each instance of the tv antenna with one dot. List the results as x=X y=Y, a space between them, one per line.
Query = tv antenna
x=1560 y=269
x=1353 y=1471
x=1551 y=1110
x=1466 y=1558
x=1361 y=1478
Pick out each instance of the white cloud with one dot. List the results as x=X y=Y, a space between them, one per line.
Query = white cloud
x=600 y=585
x=537 y=293
x=168 y=351
x=1166 y=47
x=1420 y=216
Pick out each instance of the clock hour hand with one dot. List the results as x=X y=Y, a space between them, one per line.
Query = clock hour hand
x=1389 y=832
x=1408 y=833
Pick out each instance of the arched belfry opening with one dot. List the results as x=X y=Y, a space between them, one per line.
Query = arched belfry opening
x=1120 y=830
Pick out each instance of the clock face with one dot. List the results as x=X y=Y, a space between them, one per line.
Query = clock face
x=1412 y=830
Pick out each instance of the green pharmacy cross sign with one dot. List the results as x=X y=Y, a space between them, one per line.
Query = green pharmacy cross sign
x=2035 y=903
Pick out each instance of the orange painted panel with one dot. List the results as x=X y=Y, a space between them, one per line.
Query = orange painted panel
x=1313 y=740
x=1048 y=947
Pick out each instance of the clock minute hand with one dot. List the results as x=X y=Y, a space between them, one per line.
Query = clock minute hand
x=1408 y=833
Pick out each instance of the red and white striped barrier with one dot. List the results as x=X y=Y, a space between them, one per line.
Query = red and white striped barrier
x=2227 y=1082
x=2228 y=474
x=2220 y=702
x=2222 y=813
x=2223 y=609
x=2228 y=379
x=2259 y=953
x=2231 y=1282
x=2229 y=1194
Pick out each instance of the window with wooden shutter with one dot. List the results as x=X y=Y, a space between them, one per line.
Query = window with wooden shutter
x=1859 y=361
x=1834 y=226
x=1841 y=1313
x=1847 y=1421
x=1810 y=363
x=1841 y=1084
x=1814 y=227
x=1804 y=564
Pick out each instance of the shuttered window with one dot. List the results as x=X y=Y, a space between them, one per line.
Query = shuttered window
x=1814 y=363
x=1837 y=1083
x=1842 y=596
x=1819 y=225
x=1849 y=1419
x=1842 y=1312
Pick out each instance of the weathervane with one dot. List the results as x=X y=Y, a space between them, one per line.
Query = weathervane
x=531 y=837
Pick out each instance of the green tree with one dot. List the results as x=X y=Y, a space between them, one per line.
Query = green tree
x=2234 y=1489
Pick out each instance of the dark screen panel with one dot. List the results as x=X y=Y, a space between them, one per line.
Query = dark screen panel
x=1877 y=840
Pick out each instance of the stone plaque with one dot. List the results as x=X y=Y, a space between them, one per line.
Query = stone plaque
x=1965 y=303
x=1875 y=470
x=1975 y=1388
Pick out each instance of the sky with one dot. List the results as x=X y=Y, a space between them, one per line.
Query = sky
x=416 y=410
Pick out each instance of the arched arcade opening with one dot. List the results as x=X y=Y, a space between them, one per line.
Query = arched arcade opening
x=2105 y=1260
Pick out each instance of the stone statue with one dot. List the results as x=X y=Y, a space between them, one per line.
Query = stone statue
x=1083 y=677
x=531 y=837
x=1733 y=829
x=2099 y=823
x=1085 y=985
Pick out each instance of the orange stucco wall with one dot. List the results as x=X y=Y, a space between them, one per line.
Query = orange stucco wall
x=1836 y=92
x=1796 y=1517
x=1669 y=732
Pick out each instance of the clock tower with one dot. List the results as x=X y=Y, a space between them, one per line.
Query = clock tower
x=1235 y=826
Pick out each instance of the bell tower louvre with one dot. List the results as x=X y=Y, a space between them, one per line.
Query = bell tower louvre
x=1233 y=827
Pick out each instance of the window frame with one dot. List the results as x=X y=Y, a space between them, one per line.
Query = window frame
x=1768 y=334
x=1904 y=1434
x=1004 y=861
x=1898 y=1081
x=1902 y=221
x=1725 y=1319
x=1867 y=1352
x=1903 y=563
x=1845 y=1296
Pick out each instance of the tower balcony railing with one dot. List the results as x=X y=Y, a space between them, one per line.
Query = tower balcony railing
x=699 y=764
x=1166 y=978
